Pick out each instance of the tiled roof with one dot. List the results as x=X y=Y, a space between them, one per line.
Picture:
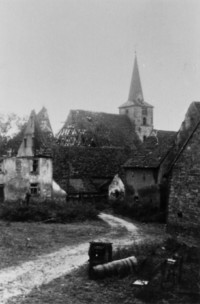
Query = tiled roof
x=131 y=103
x=44 y=122
x=153 y=150
x=135 y=97
x=186 y=131
x=80 y=185
x=94 y=129
x=37 y=143
x=87 y=163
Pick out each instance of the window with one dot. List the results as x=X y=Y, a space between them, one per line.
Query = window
x=144 y=121
x=35 y=168
x=144 y=111
x=25 y=142
x=1 y=166
x=144 y=138
x=34 y=188
x=126 y=111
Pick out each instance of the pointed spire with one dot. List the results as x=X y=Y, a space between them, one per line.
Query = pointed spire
x=34 y=140
x=135 y=93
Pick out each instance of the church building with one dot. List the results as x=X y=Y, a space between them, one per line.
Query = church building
x=139 y=111
x=130 y=127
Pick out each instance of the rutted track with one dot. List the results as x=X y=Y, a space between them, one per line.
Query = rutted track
x=20 y=280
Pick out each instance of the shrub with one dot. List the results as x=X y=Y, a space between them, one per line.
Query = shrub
x=143 y=211
x=49 y=211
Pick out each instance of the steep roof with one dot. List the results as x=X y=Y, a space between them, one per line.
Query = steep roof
x=81 y=185
x=135 y=97
x=186 y=131
x=87 y=163
x=85 y=128
x=34 y=142
x=153 y=150
x=44 y=122
x=135 y=92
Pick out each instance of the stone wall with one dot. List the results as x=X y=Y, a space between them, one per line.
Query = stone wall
x=184 y=194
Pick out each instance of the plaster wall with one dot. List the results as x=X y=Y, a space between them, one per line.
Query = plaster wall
x=17 y=175
x=139 y=178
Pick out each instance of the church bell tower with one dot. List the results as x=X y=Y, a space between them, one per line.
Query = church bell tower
x=139 y=112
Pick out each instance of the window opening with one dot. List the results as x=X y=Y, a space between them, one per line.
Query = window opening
x=144 y=121
x=34 y=188
x=35 y=165
x=144 y=111
x=25 y=142
x=1 y=166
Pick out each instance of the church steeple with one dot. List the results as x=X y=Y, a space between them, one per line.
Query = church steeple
x=138 y=111
x=135 y=92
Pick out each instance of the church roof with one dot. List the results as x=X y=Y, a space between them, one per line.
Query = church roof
x=96 y=129
x=135 y=97
x=130 y=103
x=135 y=92
x=153 y=150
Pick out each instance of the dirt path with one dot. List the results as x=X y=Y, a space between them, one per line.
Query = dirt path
x=20 y=280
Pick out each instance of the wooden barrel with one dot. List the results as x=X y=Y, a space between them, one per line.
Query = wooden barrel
x=118 y=267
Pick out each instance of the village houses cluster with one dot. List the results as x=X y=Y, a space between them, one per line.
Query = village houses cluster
x=93 y=148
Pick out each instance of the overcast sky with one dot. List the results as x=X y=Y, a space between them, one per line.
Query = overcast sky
x=79 y=54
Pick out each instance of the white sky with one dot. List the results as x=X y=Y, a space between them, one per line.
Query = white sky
x=79 y=54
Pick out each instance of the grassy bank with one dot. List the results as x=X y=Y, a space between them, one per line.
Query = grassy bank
x=21 y=242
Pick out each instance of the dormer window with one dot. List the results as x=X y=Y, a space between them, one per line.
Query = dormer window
x=144 y=121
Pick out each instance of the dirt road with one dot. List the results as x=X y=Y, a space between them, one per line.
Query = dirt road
x=20 y=280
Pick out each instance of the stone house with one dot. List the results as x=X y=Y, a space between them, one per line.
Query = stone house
x=183 y=176
x=141 y=171
x=31 y=170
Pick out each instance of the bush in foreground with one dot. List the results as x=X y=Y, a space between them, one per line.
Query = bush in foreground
x=142 y=211
x=49 y=211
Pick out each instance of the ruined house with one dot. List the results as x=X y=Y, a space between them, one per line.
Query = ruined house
x=30 y=170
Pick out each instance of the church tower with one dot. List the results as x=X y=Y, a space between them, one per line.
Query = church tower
x=139 y=112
